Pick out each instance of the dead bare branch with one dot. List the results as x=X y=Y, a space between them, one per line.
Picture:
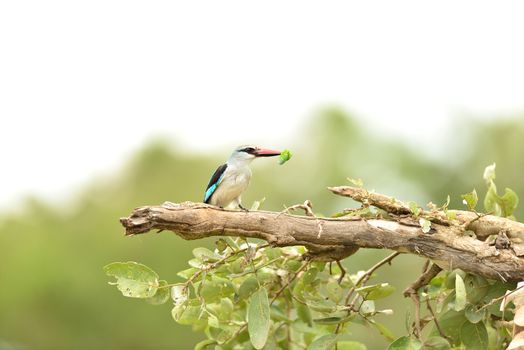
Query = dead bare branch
x=446 y=244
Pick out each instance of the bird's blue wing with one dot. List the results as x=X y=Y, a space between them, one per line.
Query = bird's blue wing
x=214 y=182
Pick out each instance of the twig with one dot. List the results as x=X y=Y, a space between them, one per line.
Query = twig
x=483 y=224
x=220 y=262
x=236 y=334
x=493 y=301
x=307 y=206
x=478 y=217
x=428 y=272
x=422 y=280
x=342 y=271
x=416 y=301
x=367 y=275
x=363 y=279
x=389 y=204
x=302 y=267
x=437 y=324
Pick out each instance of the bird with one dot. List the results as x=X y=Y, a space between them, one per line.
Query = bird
x=231 y=179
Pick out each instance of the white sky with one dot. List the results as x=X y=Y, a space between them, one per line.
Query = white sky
x=84 y=83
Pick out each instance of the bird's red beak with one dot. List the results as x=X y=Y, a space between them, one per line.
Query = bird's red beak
x=264 y=152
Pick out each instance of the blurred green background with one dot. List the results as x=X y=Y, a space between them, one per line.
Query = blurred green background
x=54 y=294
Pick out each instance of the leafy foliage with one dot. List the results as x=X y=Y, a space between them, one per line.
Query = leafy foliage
x=504 y=205
x=258 y=318
x=245 y=295
x=471 y=199
x=134 y=280
x=251 y=295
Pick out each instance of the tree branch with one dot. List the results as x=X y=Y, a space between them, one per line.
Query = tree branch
x=482 y=225
x=446 y=244
x=423 y=280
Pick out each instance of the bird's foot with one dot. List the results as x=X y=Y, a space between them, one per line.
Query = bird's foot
x=242 y=207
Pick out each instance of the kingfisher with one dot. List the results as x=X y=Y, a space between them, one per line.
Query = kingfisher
x=232 y=178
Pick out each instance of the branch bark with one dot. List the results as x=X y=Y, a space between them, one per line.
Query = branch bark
x=331 y=239
x=482 y=225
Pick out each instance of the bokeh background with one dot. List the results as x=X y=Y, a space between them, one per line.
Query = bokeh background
x=110 y=105
x=54 y=294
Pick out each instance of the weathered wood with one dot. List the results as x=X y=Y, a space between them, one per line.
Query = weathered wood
x=334 y=239
x=482 y=225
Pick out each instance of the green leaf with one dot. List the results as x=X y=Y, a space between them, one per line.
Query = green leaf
x=335 y=292
x=273 y=253
x=284 y=156
x=425 y=225
x=280 y=334
x=367 y=307
x=474 y=336
x=383 y=330
x=376 y=291
x=310 y=275
x=187 y=273
x=476 y=287
x=320 y=265
x=446 y=205
x=258 y=318
x=205 y=254
x=213 y=321
x=179 y=294
x=509 y=202
x=189 y=314
x=248 y=287
x=209 y=291
x=491 y=200
x=221 y=245
x=471 y=199
x=450 y=279
x=415 y=210
x=380 y=293
x=489 y=173
x=322 y=305
x=236 y=266
x=293 y=265
x=133 y=280
x=225 y=309
x=473 y=314
x=220 y=335
x=325 y=342
x=277 y=313
x=496 y=290
x=225 y=285
x=450 y=323
x=460 y=293
x=196 y=263
x=161 y=296
x=208 y=344
x=448 y=303
x=405 y=343
x=350 y=345
x=451 y=215
x=216 y=288
x=436 y=343
x=303 y=313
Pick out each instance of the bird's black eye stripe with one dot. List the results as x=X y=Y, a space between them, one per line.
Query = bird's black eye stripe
x=248 y=150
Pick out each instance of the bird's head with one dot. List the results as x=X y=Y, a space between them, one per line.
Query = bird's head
x=248 y=153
